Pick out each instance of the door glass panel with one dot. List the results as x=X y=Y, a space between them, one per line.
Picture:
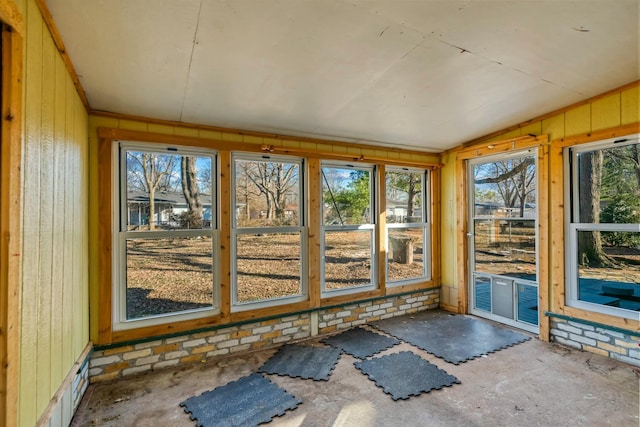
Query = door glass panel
x=482 y=293
x=527 y=303
x=506 y=247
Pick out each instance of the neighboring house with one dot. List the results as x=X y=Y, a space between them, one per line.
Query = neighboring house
x=167 y=206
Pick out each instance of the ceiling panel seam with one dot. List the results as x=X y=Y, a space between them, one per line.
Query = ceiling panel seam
x=193 y=48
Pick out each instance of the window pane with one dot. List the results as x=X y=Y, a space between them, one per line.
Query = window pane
x=405 y=257
x=608 y=182
x=168 y=275
x=609 y=268
x=346 y=196
x=167 y=191
x=506 y=247
x=268 y=266
x=347 y=259
x=404 y=197
x=506 y=188
x=267 y=193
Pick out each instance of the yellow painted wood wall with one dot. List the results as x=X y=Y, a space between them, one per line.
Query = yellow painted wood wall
x=54 y=319
x=610 y=111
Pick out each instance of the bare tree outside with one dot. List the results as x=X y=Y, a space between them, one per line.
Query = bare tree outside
x=590 y=177
x=149 y=172
x=514 y=180
x=191 y=193
x=276 y=183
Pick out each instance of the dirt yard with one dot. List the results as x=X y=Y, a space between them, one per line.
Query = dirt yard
x=173 y=275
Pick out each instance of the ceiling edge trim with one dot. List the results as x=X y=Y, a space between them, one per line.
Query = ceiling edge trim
x=276 y=136
x=57 y=39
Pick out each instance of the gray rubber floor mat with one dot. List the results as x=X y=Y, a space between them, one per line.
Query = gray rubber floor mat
x=249 y=401
x=405 y=374
x=360 y=343
x=454 y=338
x=301 y=361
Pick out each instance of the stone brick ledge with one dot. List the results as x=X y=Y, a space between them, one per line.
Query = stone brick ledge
x=129 y=359
x=331 y=320
x=595 y=339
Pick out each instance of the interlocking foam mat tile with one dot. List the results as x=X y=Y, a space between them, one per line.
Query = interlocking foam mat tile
x=360 y=343
x=405 y=374
x=249 y=401
x=301 y=361
x=454 y=338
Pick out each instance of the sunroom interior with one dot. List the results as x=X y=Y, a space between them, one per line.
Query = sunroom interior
x=185 y=182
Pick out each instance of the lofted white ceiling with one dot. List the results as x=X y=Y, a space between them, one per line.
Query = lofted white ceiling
x=425 y=75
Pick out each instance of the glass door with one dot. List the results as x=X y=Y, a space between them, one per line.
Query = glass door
x=503 y=243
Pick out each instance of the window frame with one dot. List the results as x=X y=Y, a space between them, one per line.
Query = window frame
x=301 y=229
x=425 y=224
x=572 y=228
x=120 y=236
x=369 y=227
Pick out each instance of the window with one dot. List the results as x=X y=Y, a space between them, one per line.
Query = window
x=347 y=228
x=603 y=238
x=268 y=231
x=407 y=226
x=165 y=234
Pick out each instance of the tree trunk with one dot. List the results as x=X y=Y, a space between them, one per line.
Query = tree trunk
x=590 y=252
x=152 y=208
x=411 y=194
x=190 y=191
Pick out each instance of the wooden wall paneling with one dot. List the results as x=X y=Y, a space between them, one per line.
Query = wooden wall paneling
x=31 y=219
x=222 y=144
x=10 y=222
x=436 y=206
x=277 y=310
x=68 y=228
x=226 y=214
x=82 y=246
x=630 y=106
x=462 y=244
x=556 y=230
x=605 y=112
x=592 y=316
x=105 y=225
x=341 y=299
x=314 y=216
x=598 y=135
x=380 y=233
x=46 y=204
x=296 y=144
x=59 y=238
x=544 y=189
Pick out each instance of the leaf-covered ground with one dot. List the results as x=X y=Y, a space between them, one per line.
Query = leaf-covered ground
x=173 y=275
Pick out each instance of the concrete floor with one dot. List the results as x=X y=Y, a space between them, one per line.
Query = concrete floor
x=530 y=384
